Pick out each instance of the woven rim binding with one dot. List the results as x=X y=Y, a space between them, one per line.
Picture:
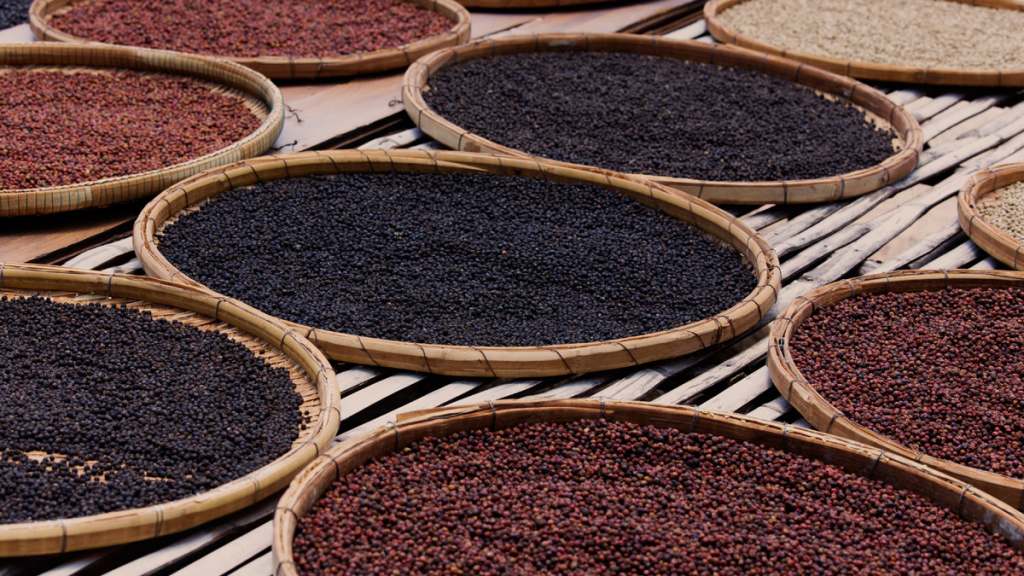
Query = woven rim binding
x=821 y=414
x=872 y=70
x=297 y=67
x=994 y=240
x=829 y=189
x=486 y=361
x=259 y=330
x=35 y=201
x=969 y=503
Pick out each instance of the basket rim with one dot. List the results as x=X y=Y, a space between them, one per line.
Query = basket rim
x=831 y=188
x=824 y=416
x=131 y=525
x=292 y=67
x=992 y=239
x=306 y=488
x=488 y=361
x=872 y=70
x=93 y=193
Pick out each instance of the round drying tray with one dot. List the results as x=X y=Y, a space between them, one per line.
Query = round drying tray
x=821 y=414
x=486 y=361
x=871 y=70
x=260 y=95
x=992 y=239
x=970 y=503
x=294 y=67
x=877 y=107
x=276 y=343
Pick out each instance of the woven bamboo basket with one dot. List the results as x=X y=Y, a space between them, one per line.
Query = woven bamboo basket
x=871 y=70
x=276 y=343
x=970 y=503
x=297 y=67
x=878 y=109
x=483 y=361
x=824 y=416
x=996 y=241
x=259 y=94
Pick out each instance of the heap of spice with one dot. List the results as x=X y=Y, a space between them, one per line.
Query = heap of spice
x=916 y=33
x=81 y=125
x=1004 y=209
x=251 y=28
x=107 y=408
x=469 y=259
x=937 y=371
x=594 y=497
x=657 y=115
x=13 y=12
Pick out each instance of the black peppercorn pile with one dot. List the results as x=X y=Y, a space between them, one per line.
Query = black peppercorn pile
x=457 y=258
x=13 y=12
x=938 y=371
x=657 y=115
x=137 y=411
x=593 y=497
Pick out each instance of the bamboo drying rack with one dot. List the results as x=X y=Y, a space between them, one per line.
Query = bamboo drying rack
x=970 y=503
x=265 y=337
x=997 y=242
x=871 y=70
x=529 y=4
x=821 y=414
x=876 y=105
x=257 y=91
x=485 y=361
x=298 y=67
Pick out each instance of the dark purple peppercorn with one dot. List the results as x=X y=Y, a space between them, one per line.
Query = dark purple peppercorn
x=13 y=12
x=106 y=408
x=593 y=497
x=457 y=258
x=657 y=115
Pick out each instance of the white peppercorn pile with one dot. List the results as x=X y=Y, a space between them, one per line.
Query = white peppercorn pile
x=133 y=411
x=13 y=12
x=657 y=115
x=917 y=33
x=938 y=371
x=1004 y=209
x=593 y=497
x=466 y=259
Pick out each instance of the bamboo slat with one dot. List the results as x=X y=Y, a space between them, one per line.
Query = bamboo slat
x=823 y=416
x=265 y=337
x=865 y=69
x=485 y=361
x=299 y=67
x=999 y=243
x=257 y=90
x=876 y=105
x=968 y=502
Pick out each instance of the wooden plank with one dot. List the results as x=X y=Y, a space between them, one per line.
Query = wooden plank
x=772 y=410
x=16 y=35
x=498 y=391
x=355 y=376
x=45 y=238
x=262 y=565
x=433 y=399
x=96 y=258
x=741 y=393
x=233 y=553
x=365 y=397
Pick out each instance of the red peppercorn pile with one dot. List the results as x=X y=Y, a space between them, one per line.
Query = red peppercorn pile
x=249 y=28
x=593 y=497
x=938 y=371
x=123 y=411
x=65 y=128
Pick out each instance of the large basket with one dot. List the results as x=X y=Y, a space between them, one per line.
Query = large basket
x=882 y=111
x=821 y=414
x=970 y=503
x=486 y=361
x=871 y=70
x=259 y=93
x=310 y=371
x=992 y=239
x=296 y=67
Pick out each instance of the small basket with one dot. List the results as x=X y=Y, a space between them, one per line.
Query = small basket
x=297 y=67
x=310 y=371
x=486 y=361
x=992 y=239
x=970 y=503
x=871 y=70
x=821 y=414
x=875 y=105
